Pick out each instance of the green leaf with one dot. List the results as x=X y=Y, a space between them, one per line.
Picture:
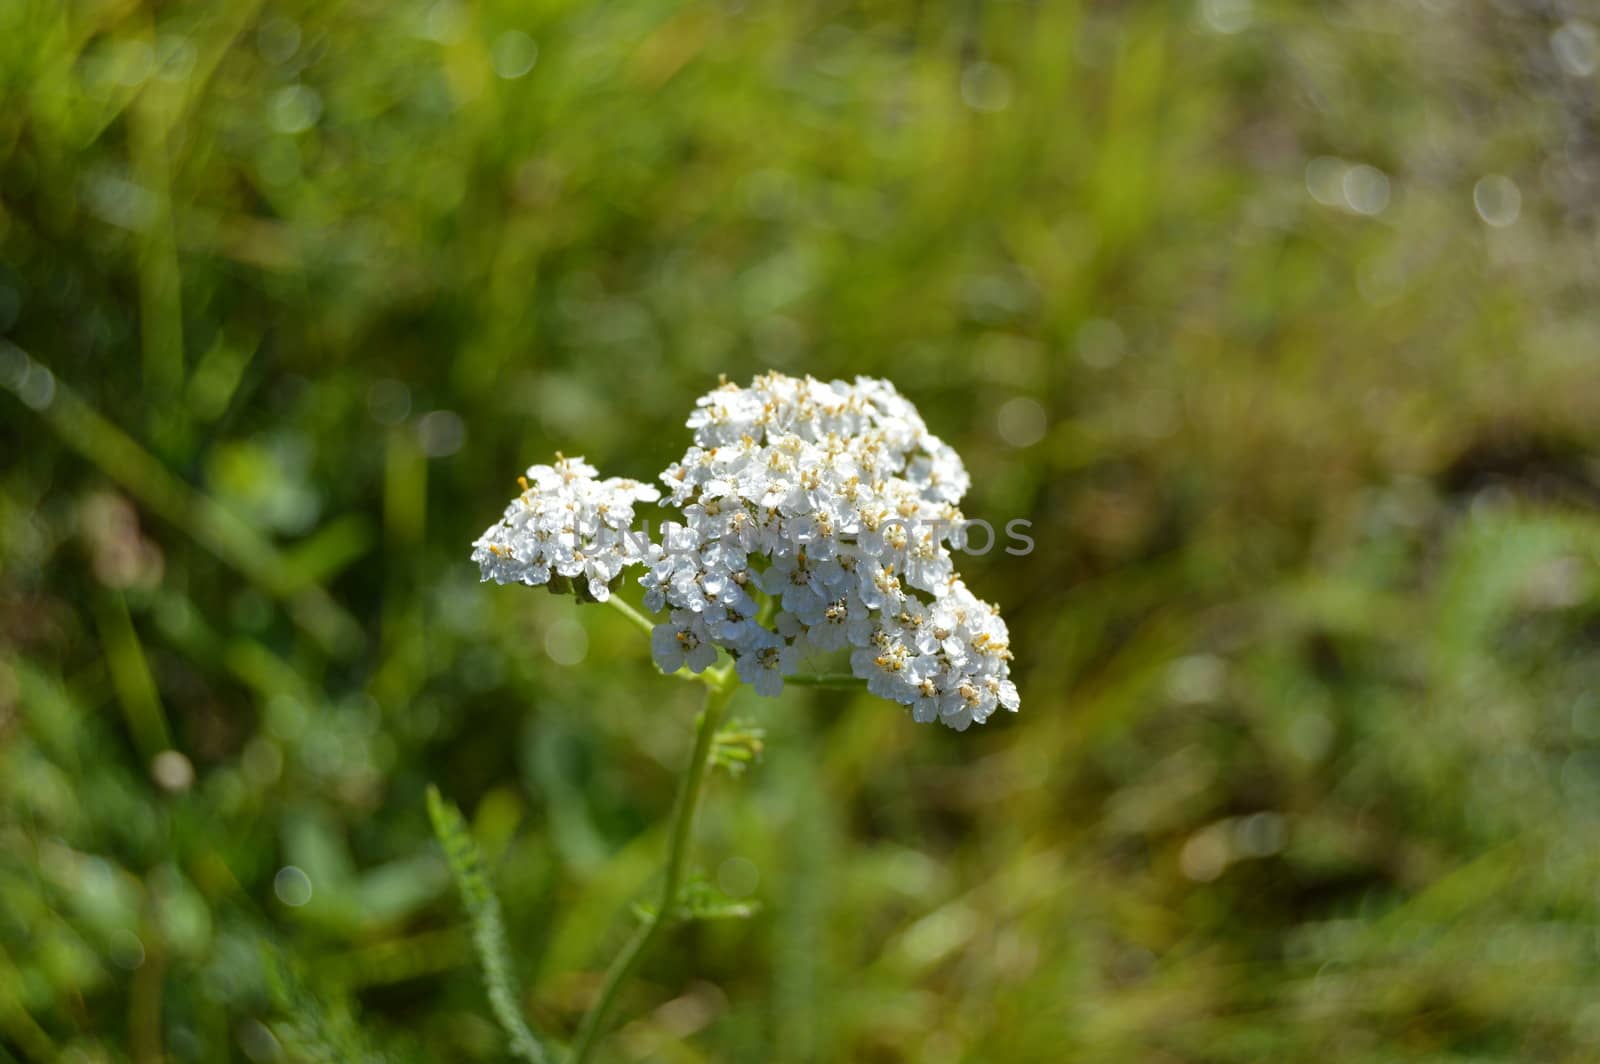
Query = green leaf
x=488 y=927
x=699 y=899
x=736 y=746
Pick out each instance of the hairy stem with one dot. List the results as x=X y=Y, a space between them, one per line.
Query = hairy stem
x=720 y=686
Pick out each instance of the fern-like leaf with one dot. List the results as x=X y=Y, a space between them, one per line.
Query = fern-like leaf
x=488 y=927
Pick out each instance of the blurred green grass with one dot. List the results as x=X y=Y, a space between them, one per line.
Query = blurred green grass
x=1231 y=301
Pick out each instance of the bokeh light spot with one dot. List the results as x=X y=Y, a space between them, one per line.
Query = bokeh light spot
x=1227 y=16
x=445 y=22
x=986 y=87
x=172 y=771
x=1261 y=834
x=1577 y=48
x=1205 y=855
x=1366 y=189
x=1196 y=679
x=1325 y=180
x=1021 y=422
x=514 y=54
x=1498 y=200
x=1101 y=343
x=37 y=388
x=565 y=642
x=292 y=886
x=441 y=433
x=294 y=109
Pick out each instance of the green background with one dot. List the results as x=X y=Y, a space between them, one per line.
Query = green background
x=1278 y=321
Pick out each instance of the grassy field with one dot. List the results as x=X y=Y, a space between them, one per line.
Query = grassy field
x=1277 y=320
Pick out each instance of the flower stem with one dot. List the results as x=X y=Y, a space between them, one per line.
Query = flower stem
x=647 y=626
x=720 y=686
x=639 y=620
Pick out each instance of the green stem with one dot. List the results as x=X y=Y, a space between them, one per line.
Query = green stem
x=640 y=621
x=720 y=686
x=647 y=626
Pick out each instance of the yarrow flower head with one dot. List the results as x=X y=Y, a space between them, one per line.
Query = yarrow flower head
x=566 y=529
x=816 y=517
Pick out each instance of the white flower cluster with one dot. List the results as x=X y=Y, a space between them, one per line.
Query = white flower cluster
x=817 y=517
x=565 y=524
x=836 y=501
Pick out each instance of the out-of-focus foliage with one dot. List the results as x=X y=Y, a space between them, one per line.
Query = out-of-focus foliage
x=1278 y=321
x=488 y=925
